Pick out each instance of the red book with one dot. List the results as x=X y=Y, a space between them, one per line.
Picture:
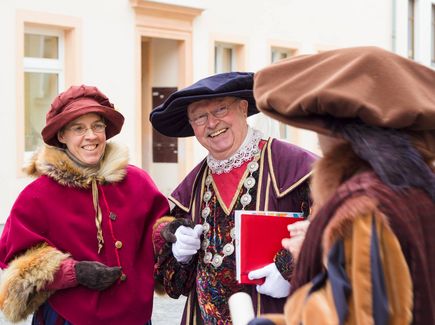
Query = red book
x=258 y=239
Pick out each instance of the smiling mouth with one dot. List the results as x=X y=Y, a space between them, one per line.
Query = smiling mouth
x=219 y=132
x=90 y=147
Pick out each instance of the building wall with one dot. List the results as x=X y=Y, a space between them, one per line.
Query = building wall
x=108 y=50
x=107 y=56
x=310 y=26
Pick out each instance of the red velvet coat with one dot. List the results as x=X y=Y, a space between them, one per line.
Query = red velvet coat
x=57 y=209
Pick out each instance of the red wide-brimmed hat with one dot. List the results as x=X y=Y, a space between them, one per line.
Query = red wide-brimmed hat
x=75 y=102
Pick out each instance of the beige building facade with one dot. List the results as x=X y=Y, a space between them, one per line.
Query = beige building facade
x=138 y=52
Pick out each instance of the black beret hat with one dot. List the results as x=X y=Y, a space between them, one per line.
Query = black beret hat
x=170 y=118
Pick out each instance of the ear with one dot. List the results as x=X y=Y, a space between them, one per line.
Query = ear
x=244 y=106
x=61 y=137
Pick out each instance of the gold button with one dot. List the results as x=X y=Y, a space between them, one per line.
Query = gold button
x=123 y=277
x=118 y=244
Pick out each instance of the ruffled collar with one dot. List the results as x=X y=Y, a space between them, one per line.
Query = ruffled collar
x=246 y=152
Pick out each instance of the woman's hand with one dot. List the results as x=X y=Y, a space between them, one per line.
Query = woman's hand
x=96 y=275
x=297 y=232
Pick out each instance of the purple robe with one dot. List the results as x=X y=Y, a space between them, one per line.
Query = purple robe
x=281 y=185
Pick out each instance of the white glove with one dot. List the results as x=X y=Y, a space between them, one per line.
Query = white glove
x=274 y=285
x=187 y=244
x=297 y=232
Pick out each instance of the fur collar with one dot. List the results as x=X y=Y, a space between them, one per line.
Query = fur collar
x=336 y=166
x=55 y=163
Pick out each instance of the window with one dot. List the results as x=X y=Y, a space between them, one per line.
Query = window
x=279 y=53
x=225 y=58
x=43 y=65
x=43 y=78
x=49 y=60
x=411 y=29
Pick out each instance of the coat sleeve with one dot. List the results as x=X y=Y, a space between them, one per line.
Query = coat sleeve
x=298 y=200
x=366 y=280
x=28 y=259
x=23 y=282
x=175 y=278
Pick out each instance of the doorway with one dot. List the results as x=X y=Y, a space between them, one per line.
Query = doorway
x=164 y=62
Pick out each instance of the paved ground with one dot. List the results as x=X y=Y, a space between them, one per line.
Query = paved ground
x=166 y=311
x=4 y=322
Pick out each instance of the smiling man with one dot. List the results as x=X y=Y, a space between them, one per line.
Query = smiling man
x=195 y=247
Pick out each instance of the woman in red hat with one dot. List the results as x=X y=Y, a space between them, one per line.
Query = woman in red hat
x=76 y=248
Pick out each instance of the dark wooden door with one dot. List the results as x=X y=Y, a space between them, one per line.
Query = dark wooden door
x=165 y=149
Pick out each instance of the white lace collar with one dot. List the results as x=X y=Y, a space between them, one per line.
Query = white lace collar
x=246 y=152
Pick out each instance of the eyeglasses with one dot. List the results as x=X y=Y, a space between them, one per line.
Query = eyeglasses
x=80 y=129
x=218 y=112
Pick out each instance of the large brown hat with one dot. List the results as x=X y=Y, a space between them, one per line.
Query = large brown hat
x=75 y=102
x=372 y=85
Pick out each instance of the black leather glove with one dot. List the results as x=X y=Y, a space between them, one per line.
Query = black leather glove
x=96 y=275
x=168 y=231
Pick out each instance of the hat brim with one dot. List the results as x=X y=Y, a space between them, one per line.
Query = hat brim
x=369 y=84
x=172 y=120
x=114 y=121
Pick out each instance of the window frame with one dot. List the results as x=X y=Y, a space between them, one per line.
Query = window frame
x=432 y=34
x=71 y=30
x=219 y=49
x=238 y=46
x=286 y=132
x=45 y=65
x=280 y=49
x=411 y=29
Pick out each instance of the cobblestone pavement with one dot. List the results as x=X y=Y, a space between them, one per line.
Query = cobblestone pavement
x=166 y=311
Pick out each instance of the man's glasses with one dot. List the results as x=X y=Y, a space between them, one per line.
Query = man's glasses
x=218 y=112
x=80 y=129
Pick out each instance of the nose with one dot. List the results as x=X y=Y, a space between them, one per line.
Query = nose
x=212 y=121
x=90 y=134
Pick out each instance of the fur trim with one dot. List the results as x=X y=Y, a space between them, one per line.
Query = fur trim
x=340 y=226
x=337 y=166
x=158 y=240
x=165 y=219
x=55 y=163
x=158 y=243
x=159 y=289
x=23 y=282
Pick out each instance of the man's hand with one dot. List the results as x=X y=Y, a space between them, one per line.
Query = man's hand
x=187 y=243
x=274 y=285
x=96 y=275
